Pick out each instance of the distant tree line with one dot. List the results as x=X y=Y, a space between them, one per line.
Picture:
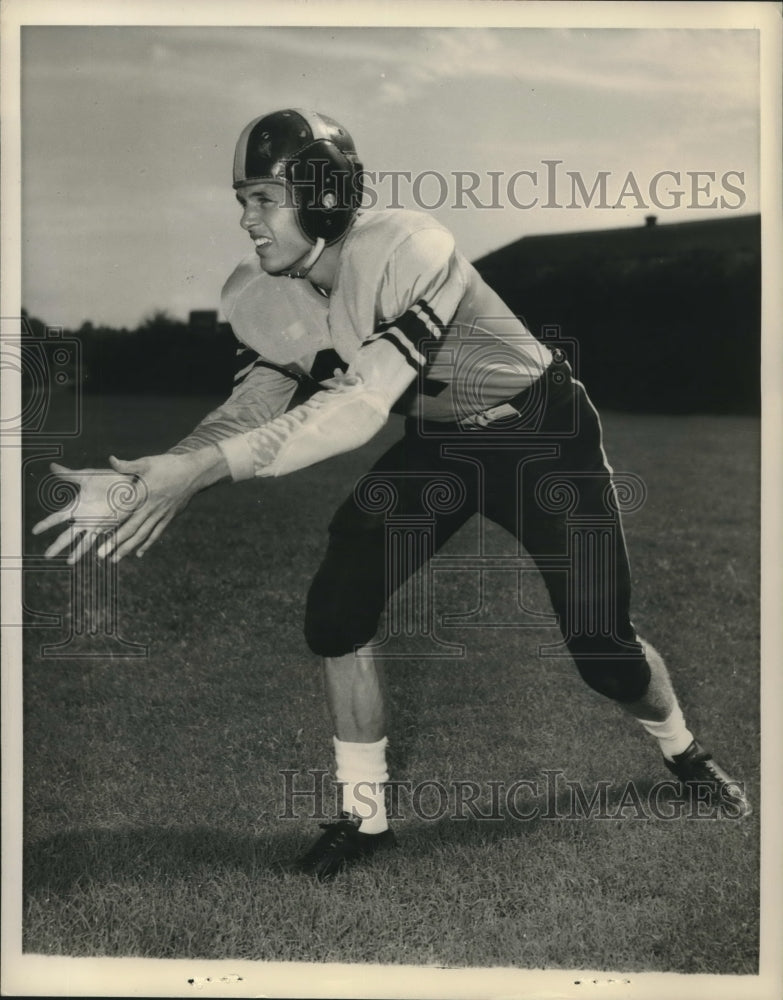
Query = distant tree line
x=162 y=355
x=665 y=319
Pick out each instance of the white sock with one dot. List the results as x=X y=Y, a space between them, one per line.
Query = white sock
x=672 y=734
x=361 y=769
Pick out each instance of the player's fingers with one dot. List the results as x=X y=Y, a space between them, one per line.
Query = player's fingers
x=127 y=468
x=131 y=541
x=62 y=541
x=86 y=542
x=124 y=532
x=106 y=545
x=49 y=522
x=61 y=470
x=159 y=529
x=112 y=539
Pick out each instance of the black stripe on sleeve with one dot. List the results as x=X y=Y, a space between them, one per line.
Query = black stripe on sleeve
x=403 y=348
x=425 y=307
x=409 y=331
x=414 y=328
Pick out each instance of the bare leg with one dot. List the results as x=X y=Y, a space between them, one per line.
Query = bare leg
x=355 y=697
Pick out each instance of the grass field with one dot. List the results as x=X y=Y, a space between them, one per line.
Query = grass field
x=153 y=785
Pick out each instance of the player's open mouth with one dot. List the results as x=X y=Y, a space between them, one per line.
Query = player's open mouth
x=261 y=241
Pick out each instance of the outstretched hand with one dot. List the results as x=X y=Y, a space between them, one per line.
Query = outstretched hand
x=170 y=482
x=102 y=501
x=130 y=505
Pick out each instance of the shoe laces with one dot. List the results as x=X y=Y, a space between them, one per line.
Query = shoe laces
x=705 y=760
x=711 y=767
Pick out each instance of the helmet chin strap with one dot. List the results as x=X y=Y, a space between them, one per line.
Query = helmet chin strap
x=305 y=264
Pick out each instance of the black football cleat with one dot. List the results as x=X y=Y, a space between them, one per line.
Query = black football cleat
x=342 y=844
x=695 y=768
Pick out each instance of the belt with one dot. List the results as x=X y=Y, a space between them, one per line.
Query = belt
x=555 y=379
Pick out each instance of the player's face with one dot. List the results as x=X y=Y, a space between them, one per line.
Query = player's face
x=269 y=217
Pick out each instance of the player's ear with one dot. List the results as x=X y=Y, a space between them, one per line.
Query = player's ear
x=329 y=199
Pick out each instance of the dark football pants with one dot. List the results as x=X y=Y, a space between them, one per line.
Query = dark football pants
x=544 y=478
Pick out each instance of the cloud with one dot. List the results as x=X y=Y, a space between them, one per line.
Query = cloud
x=721 y=65
x=129 y=132
x=393 y=92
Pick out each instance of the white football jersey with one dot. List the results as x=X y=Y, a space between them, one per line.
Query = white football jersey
x=401 y=282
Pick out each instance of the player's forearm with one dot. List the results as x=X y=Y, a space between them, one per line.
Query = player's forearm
x=332 y=422
x=260 y=397
x=206 y=466
x=347 y=414
x=222 y=423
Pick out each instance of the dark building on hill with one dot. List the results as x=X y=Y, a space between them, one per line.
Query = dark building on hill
x=659 y=318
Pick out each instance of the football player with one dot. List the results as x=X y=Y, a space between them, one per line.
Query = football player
x=375 y=310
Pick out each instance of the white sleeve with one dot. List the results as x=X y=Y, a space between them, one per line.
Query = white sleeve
x=340 y=418
x=346 y=414
x=259 y=395
x=419 y=296
x=421 y=276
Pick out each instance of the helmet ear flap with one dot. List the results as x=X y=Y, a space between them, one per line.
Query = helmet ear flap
x=328 y=192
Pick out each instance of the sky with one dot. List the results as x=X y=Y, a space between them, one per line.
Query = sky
x=128 y=136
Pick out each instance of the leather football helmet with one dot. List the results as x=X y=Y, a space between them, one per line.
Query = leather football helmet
x=315 y=156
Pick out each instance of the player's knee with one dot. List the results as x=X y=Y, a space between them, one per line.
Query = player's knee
x=336 y=622
x=625 y=680
x=329 y=637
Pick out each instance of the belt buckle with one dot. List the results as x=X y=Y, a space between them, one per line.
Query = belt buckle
x=486 y=417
